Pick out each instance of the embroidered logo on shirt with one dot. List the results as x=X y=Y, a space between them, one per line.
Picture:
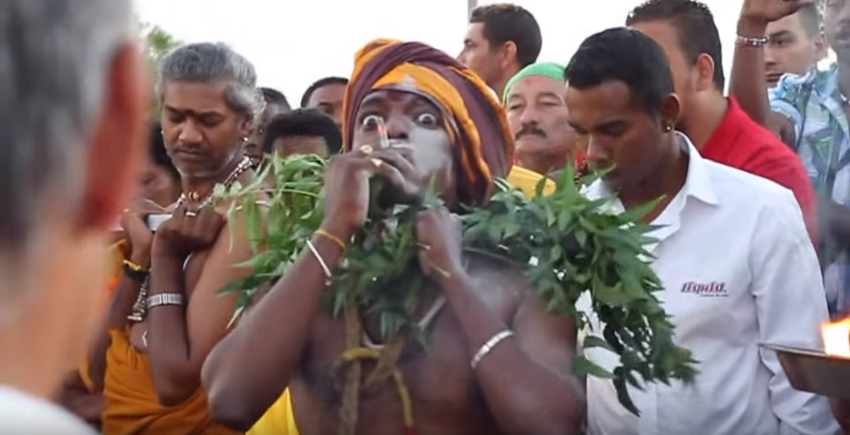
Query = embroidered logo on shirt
x=712 y=289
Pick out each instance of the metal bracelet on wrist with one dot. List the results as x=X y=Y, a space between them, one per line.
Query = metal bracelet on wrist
x=744 y=41
x=164 y=299
x=488 y=346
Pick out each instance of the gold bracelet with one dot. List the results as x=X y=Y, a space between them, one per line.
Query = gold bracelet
x=331 y=237
x=134 y=266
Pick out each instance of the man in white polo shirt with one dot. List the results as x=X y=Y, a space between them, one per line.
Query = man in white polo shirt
x=733 y=254
x=72 y=127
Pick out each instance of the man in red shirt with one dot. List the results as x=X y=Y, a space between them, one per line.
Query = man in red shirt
x=716 y=125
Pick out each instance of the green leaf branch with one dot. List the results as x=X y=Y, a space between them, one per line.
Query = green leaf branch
x=566 y=244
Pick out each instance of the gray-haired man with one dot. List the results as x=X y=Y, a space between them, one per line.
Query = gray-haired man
x=166 y=314
x=66 y=172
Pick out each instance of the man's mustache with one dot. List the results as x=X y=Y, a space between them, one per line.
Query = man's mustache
x=190 y=148
x=527 y=131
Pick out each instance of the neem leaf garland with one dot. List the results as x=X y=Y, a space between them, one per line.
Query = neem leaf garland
x=566 y=243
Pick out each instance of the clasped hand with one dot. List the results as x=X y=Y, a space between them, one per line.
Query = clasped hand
x=189 y=230
x=347 y=185
x=134 y=226
x=440 y=237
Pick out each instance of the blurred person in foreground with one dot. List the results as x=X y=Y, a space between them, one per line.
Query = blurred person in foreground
x=73 y=127
x=445 y=123
x=166 y=314
x=727 y=289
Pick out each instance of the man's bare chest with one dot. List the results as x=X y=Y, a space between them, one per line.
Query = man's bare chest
x=436 y=371
x=445 y=397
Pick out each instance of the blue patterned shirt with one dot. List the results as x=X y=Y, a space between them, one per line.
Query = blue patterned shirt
x=815 y=107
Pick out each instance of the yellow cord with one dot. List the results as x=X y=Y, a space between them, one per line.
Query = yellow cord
x=361 y=353
x=331 y=237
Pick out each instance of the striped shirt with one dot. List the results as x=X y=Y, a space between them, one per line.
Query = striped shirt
x=815 y=107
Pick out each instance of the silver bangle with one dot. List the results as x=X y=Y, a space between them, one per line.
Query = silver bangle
x=165 y=299
x=325 y=268
x=744 y=41
x=488 y=346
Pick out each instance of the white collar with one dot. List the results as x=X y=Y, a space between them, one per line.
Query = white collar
x=698 y=183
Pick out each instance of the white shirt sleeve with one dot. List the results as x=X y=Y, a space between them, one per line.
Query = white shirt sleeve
x=22 y=414
x=791 y=306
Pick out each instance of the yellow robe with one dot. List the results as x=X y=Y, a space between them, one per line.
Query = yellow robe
x=526 y=180
x=279 y=419
x=117 y=254
x=132 y=405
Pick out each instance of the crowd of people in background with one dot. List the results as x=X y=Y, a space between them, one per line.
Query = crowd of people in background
x=751 y=231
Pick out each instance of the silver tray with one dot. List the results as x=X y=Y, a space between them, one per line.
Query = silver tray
x=814 y=371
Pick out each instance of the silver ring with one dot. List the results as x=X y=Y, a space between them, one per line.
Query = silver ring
x=190 y=214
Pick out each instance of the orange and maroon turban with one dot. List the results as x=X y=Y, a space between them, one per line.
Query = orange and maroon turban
x=475 y=119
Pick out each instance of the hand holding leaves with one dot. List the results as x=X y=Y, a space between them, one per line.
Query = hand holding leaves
x=440 y=237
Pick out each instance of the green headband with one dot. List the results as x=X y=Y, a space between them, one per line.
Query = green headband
x=545 y=69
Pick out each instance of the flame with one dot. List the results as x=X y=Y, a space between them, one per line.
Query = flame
x=836 y=338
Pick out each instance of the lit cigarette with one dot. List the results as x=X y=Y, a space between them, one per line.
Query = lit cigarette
x=382 y=131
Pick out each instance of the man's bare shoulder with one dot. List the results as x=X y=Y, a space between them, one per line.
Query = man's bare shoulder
x=495 y=275
x=236 y=226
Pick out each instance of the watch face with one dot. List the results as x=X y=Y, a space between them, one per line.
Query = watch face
x=155 y=220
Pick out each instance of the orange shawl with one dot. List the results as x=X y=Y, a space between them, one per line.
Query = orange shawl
x=132 y=405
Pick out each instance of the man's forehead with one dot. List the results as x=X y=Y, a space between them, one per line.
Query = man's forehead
x=663 y=32
x=606 y=91
x=475 y=32
x=407 y=94
x=196 y=96
x=603 y=100
x=790 y=24
x=405 y=90
x=328 y=91
x=274 y=108
x=538 y=84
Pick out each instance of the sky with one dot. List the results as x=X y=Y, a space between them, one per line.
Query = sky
x=294 y=43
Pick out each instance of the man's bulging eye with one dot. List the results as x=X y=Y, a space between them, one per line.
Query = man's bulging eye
x=428 y=119
x=372 y=121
